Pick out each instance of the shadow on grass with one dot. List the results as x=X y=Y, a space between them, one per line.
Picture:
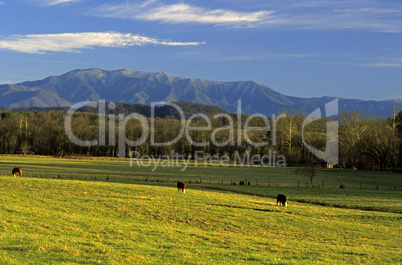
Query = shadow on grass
x=306 y=201
x=241 y=207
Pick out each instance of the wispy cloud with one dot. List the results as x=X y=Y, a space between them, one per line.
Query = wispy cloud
x=381 y=65
x=223 y=56
x=53 y=2
x=368 y=15
x=74 y=42
x=389 y=61
x=180 y=13
x=56 y=2
x=260 y=56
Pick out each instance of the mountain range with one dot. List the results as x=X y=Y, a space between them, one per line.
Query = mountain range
x=144 y=88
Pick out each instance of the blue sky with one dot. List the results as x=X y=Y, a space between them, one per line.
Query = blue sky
x=345 y=48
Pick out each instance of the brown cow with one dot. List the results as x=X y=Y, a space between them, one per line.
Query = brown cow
x=181 y=186
x=16 y=170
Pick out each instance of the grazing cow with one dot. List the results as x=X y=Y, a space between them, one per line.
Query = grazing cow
x=281 y=199
x=16 y=170
x=181 y=186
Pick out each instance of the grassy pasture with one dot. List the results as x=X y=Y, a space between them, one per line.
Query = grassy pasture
x=360 y=192
x=122 y=170
x=45 y=220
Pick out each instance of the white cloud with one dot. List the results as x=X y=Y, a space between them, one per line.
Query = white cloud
x=74 y=42
x=180 y=13
x=183 y=13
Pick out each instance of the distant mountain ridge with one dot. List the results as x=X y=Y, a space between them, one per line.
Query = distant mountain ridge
x=144 y=88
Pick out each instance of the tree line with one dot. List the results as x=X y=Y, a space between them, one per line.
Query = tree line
x=364 y=142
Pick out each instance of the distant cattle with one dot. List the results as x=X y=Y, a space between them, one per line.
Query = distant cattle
x=16 y=170
x=281 y=199
x=181 y=186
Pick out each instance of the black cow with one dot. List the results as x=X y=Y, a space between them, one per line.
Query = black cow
x=281 y=199
x=181 y=186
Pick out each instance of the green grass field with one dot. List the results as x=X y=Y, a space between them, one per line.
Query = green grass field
x=106 y=212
